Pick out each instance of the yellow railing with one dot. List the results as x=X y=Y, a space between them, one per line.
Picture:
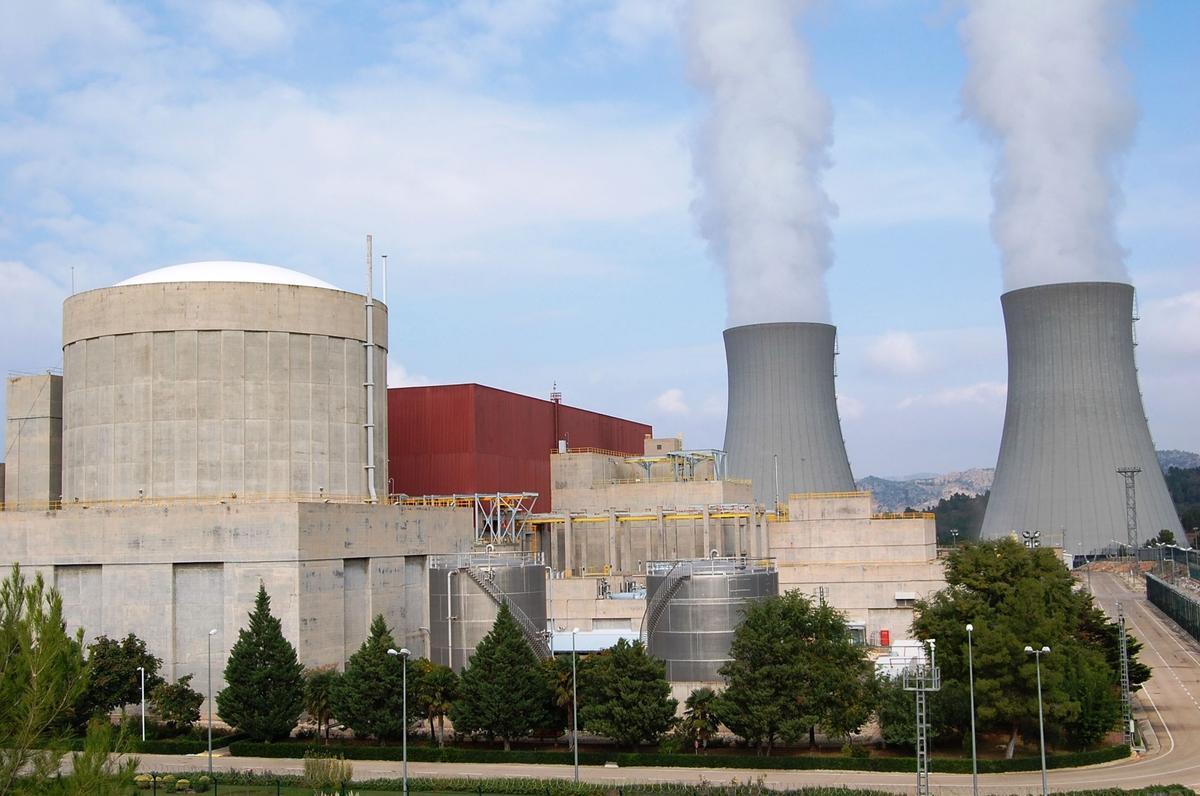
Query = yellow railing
x=827 y=495
x=669 y=480
x=904 y=515
x=181 y=500
x=600 y=451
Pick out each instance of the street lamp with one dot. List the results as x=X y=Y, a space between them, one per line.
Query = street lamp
x=404 y=653
x=142 y=671
x=971 y=681
x=1037 y=655
x=954 y=535
x=574 y=706
x=211 y=633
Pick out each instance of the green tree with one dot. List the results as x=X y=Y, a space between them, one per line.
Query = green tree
x=95 y=770
x=177 y=704
x=437 y=689
x=369 y=697
x=700 y=721
x=1165 y=536
x=42 y=674
x=503 y=691
x=113 y=678
x=624 y=695
x=264 y=692
x=794 y=668
x=559 y=678
x=1016 y=597
x=319 y=685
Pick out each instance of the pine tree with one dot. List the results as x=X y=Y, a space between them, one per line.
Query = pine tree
x=624 y=695
x=368 y=698
x=264 y=695
x=503 y=692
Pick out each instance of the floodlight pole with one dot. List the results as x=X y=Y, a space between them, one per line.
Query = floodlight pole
x=971 y=681
x=142 y=671
x=1037 y=655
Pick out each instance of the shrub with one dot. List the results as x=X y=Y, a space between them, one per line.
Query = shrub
x=182 y=786
x=143 y=781
x=202 y=784
x=324 y=771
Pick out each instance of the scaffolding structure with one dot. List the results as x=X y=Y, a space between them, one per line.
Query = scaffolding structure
x=1126 y=700
x=683 y=463
x=499 y=517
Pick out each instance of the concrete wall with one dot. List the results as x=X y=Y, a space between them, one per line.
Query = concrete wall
x=597 y=482
x=170 y=574
x=207 y=389
x=576 y=602
x=34 y=442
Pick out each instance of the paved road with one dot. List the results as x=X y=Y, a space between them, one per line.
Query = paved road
x=1169 y=702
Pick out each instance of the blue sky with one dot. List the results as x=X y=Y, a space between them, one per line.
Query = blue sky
x=526 y=166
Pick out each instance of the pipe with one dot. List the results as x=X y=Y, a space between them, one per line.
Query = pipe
x=449 y=620
x=369 y=348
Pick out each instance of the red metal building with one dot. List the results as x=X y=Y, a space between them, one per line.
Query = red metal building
x=466 y=438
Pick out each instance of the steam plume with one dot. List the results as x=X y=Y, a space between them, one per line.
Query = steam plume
x=759 y=155
x=1045 y=81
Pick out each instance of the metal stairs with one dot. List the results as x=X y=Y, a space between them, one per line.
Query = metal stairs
x=662 y=598
x=529 y=629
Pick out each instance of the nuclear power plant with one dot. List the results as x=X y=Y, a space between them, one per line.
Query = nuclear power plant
x=1074 y=418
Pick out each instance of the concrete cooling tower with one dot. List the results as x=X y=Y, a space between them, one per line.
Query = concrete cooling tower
x=782 y=404
x=1074 y=416
x=214 y=379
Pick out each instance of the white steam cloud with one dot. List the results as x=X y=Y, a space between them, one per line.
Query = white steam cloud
x=1045 y=81
x=759 y=155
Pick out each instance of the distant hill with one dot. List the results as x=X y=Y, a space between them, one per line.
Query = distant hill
x=924 y=492
x=1182 y=459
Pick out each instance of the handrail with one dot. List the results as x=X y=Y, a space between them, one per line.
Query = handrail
x=528 y=629
x=600 y=451
x=432 y=501
x=827 y=495
x=669 y=480
x=904 y=515
x=673 y=580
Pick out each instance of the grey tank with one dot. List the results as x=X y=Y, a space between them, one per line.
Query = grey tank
x=693 y=625
x=522 y=582
x=1074 y=416
x=782 y=402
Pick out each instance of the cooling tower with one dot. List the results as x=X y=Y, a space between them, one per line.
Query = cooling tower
x=1074 y=416
x=782 y=404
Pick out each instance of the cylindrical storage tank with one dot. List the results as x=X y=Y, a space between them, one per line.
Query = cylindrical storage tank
x=783 y=410
x=1074 y=415
x=461 y=609
x=704 y=602
x=220 y=379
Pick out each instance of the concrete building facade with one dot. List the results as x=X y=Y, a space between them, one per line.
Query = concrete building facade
x=33 y=441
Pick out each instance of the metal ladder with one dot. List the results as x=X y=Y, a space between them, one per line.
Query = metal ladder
x=1126 y=702
x=662 y=597
x=529 y=629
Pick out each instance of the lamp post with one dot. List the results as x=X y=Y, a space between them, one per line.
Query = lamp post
x=211 y=633
x=954 y=535
x=1037 y=655
x=574 y=706
x=142 y=671
x=404 y=653
x=971 y=681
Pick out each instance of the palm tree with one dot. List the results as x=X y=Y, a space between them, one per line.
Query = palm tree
x=437 y=688
x=700 y=721
x=318 y=689
x=558 y=675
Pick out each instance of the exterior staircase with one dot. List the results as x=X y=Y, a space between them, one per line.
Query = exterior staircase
x=662 y=598
x=529 y=629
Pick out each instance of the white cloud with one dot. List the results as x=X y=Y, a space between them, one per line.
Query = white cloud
x=398 y=375
x=1171 y=326
x=671 y=402
x=984 y=394
x=849 y=408
x=245 y=27
x=897 y=353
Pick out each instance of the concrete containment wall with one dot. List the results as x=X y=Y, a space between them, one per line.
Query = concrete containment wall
x=219 y=388
x=782 y=403
x=1074 y=416
x=33 y=442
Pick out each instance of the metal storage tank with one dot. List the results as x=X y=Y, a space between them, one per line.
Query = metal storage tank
x=694 y=608
x=218 y=379
x=465 y=592
x=1074 y=415
x=782 y=403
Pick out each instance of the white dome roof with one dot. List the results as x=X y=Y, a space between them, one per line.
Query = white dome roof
x=227 y=271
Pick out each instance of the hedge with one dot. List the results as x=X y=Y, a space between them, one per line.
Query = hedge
x=167 y=746
x=433 y=754
x=513 y=786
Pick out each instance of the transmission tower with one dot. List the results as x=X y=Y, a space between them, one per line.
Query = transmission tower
x=922 y=678
x=1129 y=473
x=1126 y=703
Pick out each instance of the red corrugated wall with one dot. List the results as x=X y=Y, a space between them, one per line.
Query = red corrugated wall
x=464 y=438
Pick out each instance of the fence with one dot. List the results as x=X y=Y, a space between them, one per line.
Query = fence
x=1183 y=608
